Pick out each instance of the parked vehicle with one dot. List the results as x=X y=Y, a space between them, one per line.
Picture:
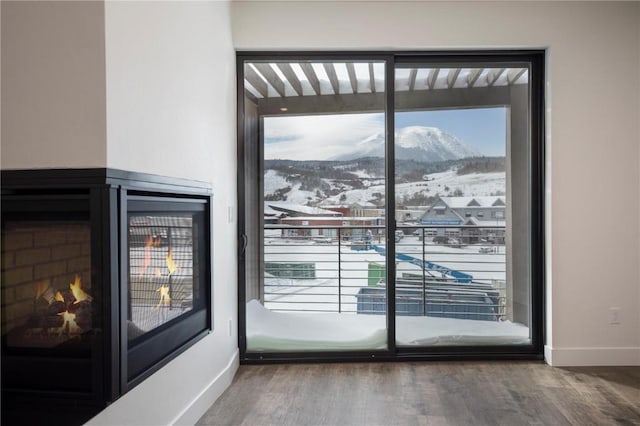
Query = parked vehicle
x=439 y=239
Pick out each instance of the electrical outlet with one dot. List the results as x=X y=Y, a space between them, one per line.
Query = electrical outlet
x=230 y=326
x=615 y=315
x=230 y=214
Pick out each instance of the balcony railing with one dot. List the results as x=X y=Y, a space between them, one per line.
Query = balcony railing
x=441 y=271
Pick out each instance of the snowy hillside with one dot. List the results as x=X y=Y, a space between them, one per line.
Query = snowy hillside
x=443 y=184
x=426 y=144
x=274 y=181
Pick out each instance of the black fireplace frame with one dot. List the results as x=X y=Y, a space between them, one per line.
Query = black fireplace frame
x=106 y=191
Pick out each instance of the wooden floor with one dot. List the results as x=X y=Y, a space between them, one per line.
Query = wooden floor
x=429 y=393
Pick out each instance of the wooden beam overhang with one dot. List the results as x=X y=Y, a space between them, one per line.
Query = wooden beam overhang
x=333 y=77
x=412 y=79
x=433 y=76
x=288 y=72
x=307 y=69
x=481 y=97
x=351 y=70
x=452 y=77
x=514 y=75
x=372 y=78
x=493 y=76
x=256 y=81
x=271 y=76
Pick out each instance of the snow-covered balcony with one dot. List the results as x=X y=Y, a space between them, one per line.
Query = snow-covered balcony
x=326 y=288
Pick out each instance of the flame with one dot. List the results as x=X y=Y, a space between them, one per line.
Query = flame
x=147 y=253
x=165 y=299
x=40 y=287
x=69 y=322
x=78 y=292
x=59 y=297
x=170 y=264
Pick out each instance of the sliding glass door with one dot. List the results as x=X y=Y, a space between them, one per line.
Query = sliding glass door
x=463 y=203
x=390 y=205
x=320 y=134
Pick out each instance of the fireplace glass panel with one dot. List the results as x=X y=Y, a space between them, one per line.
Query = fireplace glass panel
x=163 y=270
x=46 y=284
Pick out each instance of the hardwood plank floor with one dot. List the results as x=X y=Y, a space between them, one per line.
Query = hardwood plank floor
x=429 y=393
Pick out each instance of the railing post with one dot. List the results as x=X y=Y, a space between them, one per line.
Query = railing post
x=424 y=276
x=339 y=270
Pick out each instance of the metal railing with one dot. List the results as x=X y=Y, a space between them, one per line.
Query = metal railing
x=442 y=271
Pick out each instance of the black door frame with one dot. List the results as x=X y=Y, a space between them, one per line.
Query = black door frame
x=536 y=61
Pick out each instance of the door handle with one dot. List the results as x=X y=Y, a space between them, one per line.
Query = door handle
x=243 y=244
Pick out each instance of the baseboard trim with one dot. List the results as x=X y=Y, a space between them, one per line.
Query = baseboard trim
x=584 y=357
x=205 y=399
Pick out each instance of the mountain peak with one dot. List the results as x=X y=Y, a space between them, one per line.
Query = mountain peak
x=419 y=143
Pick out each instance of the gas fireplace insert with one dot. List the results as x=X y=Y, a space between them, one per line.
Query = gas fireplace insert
x=106 y=276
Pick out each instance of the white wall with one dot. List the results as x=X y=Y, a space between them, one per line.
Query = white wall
x=593 y=136
x=170 y=88
x=53 y=86
x=171 y=111
x=156 y=94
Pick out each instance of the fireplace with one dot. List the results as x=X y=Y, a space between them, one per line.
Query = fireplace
x=105 y=278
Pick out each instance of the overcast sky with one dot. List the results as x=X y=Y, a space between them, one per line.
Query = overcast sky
x=322 y=137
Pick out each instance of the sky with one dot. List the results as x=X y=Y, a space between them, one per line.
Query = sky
x=323 y=137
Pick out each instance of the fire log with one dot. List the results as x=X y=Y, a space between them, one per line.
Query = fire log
x=83 y=315
x=55 y=308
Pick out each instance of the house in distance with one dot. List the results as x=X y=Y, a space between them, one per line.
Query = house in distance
x=469 y=220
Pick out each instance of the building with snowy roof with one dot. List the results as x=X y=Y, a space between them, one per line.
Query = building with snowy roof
x=487 y=214
x=292 y=209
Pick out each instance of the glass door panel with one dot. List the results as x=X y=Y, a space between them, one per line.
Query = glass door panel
x=462 y=202
x=319 y=130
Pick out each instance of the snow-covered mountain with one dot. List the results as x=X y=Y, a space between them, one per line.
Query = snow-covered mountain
x=426 y=144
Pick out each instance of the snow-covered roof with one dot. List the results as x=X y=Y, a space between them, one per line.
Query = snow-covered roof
x=471 y=202
x=336 y=219
x=281 y=206
x=333 y=206
x=364 y=204
x=268 y=211
x=484 y=222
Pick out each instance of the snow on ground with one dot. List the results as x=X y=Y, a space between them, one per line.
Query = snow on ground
x=274 y=181
x=298 y=196
x=362 y=173
x=476 y=184
x=444 y=183
x=326 y=292
x=316 y=323
x=286 y=331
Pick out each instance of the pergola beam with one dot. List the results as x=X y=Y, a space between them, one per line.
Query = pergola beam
x=271 y=76
x=493 y=76
x=481 y=97
x=256 y=81
x=433 y=76
x=452 y=77
x=412 y=79
x=372 y=78
x=333 y=77
x=351 y=70
x=288 y=72
x=307 y=69
x=473 y=77
x=514 y=75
